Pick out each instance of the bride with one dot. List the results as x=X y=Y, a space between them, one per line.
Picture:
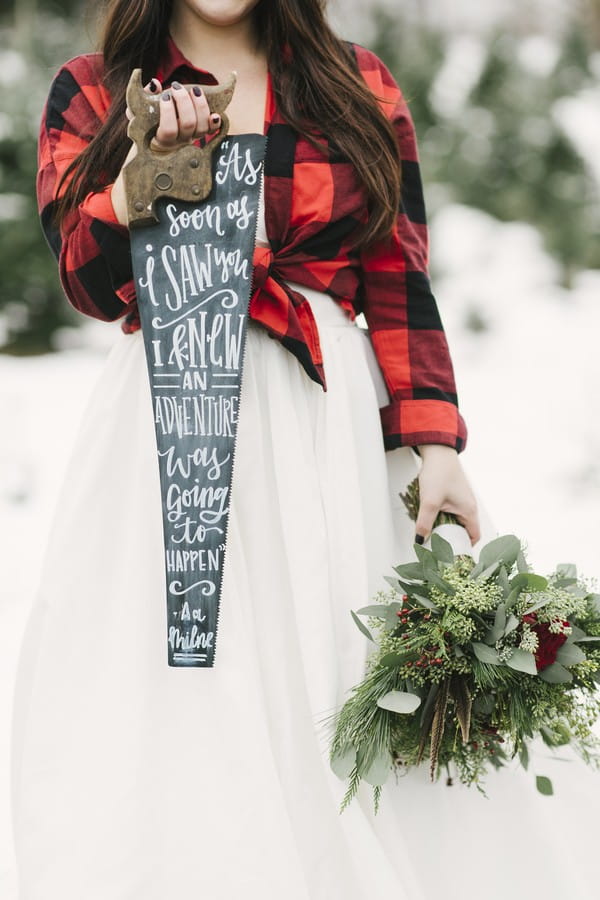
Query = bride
x=133 y=780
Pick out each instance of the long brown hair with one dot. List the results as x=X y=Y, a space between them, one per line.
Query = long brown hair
x=323 y=85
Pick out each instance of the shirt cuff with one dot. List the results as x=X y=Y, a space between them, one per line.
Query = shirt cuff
x=126 y=292
x=407 y=423
x=98 y=205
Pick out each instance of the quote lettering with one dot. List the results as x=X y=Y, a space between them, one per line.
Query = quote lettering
x=193 y=279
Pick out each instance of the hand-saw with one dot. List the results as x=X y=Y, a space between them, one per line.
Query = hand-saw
x=192 y=216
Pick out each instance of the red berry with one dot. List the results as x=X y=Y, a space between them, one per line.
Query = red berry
x=399 y=613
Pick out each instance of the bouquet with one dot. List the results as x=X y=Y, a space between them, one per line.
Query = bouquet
x=472 y=661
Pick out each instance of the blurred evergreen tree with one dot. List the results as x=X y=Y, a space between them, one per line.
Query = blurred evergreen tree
x=32 y=304
x=504 y=151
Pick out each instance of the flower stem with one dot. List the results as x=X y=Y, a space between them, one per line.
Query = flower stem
x=411 y=500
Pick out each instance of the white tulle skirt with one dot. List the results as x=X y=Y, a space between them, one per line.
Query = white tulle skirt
x=132 y=780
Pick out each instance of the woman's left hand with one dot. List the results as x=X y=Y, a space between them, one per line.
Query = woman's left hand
x=443 y=486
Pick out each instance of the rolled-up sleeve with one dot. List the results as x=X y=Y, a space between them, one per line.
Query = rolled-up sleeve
x=92 y=248
x=399 y=307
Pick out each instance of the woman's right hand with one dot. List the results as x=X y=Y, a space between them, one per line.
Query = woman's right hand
x=184 y=117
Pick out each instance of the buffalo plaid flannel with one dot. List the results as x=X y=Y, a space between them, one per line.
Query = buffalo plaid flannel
x=312 y=204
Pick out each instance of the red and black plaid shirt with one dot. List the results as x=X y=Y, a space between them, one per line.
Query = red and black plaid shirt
x=312 y=204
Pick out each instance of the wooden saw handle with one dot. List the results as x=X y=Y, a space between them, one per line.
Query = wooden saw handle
x=183 y=173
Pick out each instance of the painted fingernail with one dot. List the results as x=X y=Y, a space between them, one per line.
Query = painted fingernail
x=154 y=85
x=175 y=85
x=165 y=95
x=197 y=91
x=419 y=539
x=215 y=118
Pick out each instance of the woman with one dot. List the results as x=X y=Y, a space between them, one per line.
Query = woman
x=132 y=779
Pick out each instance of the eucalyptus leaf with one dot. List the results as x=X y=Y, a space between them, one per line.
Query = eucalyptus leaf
x=487 y=573
x=555 y=674
x=485 y=654
x=564 y=582
x=577 y=634
x=522 y=562
x=524 y=755
x=513 y=597
x=522 y=661
x=342 y=763
x=492 y=635
x=566 y=570
x=500 y=617
x=544 y=785
x=379 y=770
x=406 y=587
x=393 y=660
x=495 y=633
x=391 y=616
x=587 y=637
x=547 y=735
x=377 y=610
x=570 y=655
x=435 y=578
x=441 y=549
x=412 y=571
x=425 y=601
x=595 y=602
x=503 y=580
x=511 y=624
x=504 y=549
x=529 y=581
x=361 y=626
x=537 y=605
x=393 y=581
x=426 y=557
x=399 y=702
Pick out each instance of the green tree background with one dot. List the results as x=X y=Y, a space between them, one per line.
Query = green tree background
x=501 y=151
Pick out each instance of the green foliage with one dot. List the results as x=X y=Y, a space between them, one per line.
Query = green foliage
x=32 y=304
x=505 y=151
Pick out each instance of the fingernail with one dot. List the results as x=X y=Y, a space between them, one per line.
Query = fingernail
x=165 y=95
x=419 y=539
x=215 y=118
x=154 y=85
x=175 y=85
x=197 y=91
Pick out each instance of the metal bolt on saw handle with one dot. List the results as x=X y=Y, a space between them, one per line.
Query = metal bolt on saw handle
x=183 y=173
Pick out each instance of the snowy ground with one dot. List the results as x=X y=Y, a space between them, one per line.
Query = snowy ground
x=528 y=386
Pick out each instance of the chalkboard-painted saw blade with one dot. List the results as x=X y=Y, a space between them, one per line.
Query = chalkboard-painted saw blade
x=192 y=217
